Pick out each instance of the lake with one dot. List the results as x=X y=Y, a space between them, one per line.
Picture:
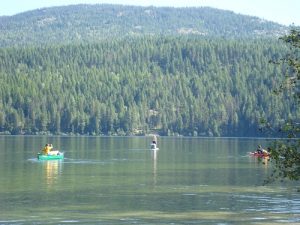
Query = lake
x=119 y=180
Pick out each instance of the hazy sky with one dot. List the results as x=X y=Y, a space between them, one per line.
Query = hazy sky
x=281 y=11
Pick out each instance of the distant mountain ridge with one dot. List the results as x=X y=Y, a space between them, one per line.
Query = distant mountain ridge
x=90 y=23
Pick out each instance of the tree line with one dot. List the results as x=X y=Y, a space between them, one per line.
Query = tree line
x=169 y=85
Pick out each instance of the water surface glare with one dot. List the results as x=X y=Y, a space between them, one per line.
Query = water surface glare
x=119 y=180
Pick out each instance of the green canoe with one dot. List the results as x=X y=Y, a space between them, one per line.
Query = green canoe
x=50 y=157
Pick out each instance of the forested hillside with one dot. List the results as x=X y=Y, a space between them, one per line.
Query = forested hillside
x=92 y=23
x=169 y=85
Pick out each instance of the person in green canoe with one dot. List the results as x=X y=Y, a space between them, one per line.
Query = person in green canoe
x=47 y=150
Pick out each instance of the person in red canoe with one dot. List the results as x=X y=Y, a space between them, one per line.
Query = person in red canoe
x=261 y=150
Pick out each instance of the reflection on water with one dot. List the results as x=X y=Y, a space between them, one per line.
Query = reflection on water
x=154 y=159
x=52 y=169
x=260 y=161
x=265 y=161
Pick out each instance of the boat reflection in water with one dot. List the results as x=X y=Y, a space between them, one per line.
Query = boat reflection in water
x=154 y=158
x=261 y=161
x=53 y=169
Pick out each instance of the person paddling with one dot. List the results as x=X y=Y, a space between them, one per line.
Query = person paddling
x=261 y=150
x=47 y=150
x=154 y=140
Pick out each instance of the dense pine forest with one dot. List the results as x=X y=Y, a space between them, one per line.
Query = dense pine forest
x=120 y=70
x=186 y=86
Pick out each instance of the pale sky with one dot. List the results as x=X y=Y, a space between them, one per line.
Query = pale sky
x=284 y=12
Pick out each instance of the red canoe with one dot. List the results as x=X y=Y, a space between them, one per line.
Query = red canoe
x=258 y=154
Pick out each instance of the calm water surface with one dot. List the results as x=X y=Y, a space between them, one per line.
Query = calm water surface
x=116 y=180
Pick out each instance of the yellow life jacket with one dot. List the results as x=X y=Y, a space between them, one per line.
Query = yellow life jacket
x=46 y=150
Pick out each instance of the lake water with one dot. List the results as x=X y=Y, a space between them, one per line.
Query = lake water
x=119 y=180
